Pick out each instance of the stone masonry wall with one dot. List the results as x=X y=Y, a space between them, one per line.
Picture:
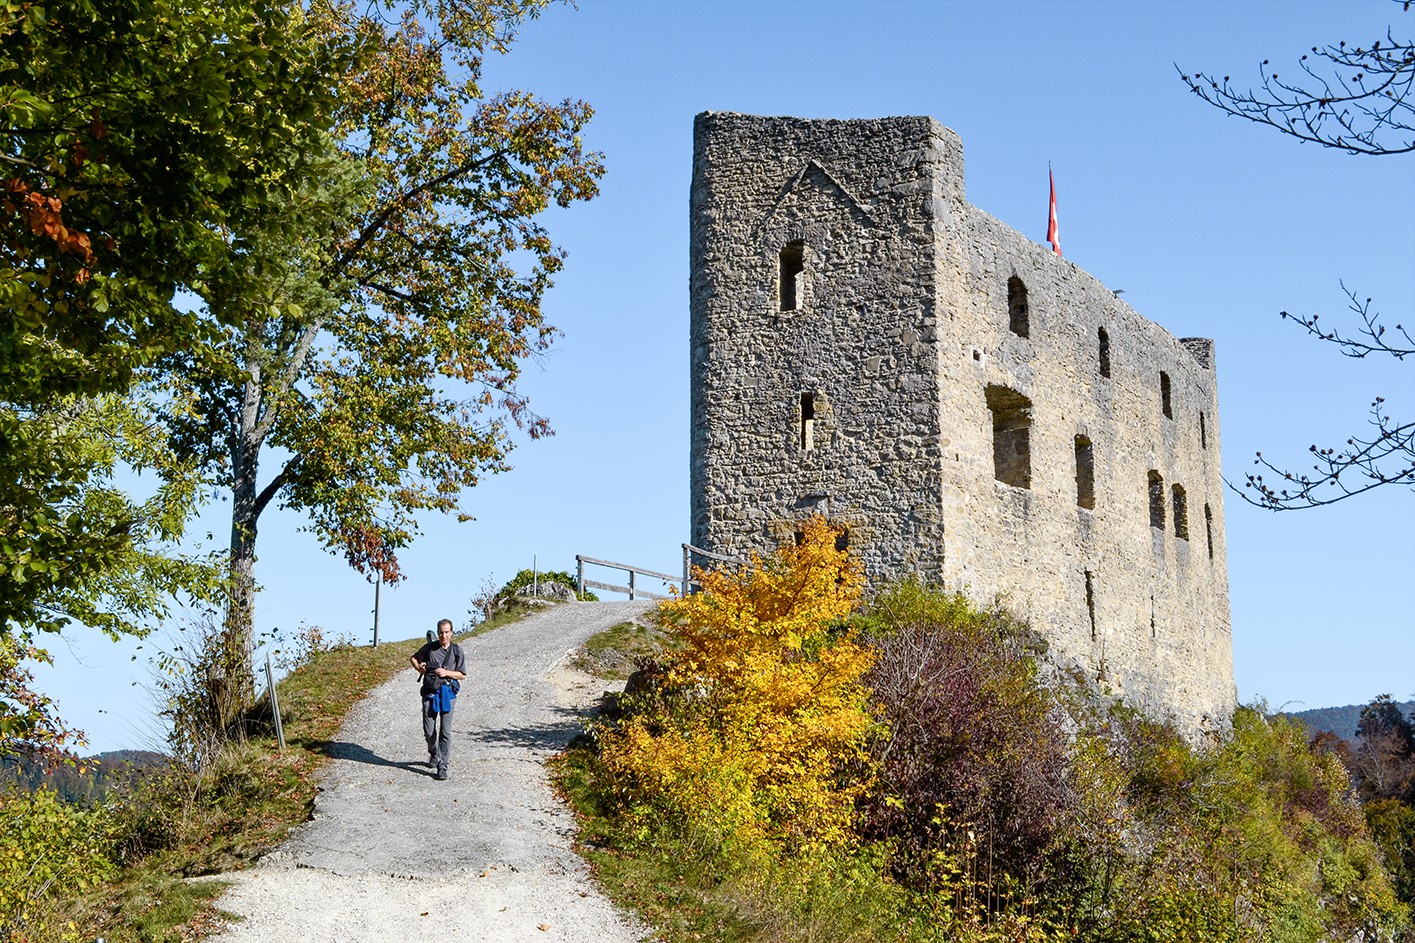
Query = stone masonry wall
x=858 y=351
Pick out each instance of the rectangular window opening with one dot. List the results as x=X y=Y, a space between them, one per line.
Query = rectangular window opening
x=1085 y=474
x=793 y=263
x=1104 y=352
x=1181 y=512
x=1018 y=319
x=808 y=421
x=1165 y=405
x=1091 y=601
x=1156 y=500
x=1209 y=529
x=1011 y=432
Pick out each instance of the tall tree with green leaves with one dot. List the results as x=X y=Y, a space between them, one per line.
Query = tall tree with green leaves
x=139 y=138
x=375 y=350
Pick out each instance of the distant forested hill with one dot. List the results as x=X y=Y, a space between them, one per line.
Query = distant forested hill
x=99 y=773
x=1340 y=720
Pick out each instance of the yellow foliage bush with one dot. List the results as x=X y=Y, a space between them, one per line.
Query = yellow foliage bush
x=759 y=727
x=47 y=847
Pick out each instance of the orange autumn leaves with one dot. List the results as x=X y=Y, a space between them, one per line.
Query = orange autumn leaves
x=759 y=727
x=43 y=216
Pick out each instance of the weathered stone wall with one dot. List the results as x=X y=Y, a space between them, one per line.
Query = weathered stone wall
x=893 y=388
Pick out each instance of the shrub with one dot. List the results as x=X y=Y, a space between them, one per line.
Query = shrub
x=975 y=762
x=47 y=848
x=1258 y=839
x=526 y=578
x=978 y=796
x=758 y=726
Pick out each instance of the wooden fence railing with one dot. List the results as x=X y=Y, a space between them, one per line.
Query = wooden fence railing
x=685 y=583
x=634 y=571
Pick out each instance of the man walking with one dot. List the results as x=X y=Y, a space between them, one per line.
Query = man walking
x=443 y=668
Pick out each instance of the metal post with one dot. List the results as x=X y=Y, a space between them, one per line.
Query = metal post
x=631 y=585
x=376 y=587
x=580 y=574
x=274 y=701
x=687 y=567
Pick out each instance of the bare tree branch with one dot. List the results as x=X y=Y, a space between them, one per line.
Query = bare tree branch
x=1386 y=457
x=1355 y=99
x=1372 y=329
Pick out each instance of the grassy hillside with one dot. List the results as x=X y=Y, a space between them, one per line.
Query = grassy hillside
x=121 y=869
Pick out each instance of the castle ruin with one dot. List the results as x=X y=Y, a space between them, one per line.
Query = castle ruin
x=974 y=409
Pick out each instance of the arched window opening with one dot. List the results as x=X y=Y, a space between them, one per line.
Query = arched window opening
x=793 y=263
x=808 y=421
x=1156 y=500
x=1209 y=528
x=1085 y=474
x=1017 y=315
x=1104 y=352
x=1165 y=405
x=1181 y=513
x=1011 y=432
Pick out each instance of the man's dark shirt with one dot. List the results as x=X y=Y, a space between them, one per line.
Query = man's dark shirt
x=435 y=656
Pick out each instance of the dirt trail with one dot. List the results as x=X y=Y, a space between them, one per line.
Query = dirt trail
x=486 y=856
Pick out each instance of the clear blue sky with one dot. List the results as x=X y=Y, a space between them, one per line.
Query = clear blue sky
x=1211 y=225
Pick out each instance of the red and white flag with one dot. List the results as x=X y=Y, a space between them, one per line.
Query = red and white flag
x=1053 y=235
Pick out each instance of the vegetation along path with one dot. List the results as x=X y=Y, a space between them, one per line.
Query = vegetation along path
x=484 y=857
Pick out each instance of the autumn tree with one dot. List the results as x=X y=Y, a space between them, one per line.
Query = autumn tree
x=376 y=347
x=758 y=726
x=138 y=136
x=1358 y=99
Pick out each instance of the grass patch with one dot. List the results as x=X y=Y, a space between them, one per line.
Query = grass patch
x=692 y=887
x=177 y=825
x=614 y=653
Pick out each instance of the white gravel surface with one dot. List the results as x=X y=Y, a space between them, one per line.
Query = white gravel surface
x=392 y=854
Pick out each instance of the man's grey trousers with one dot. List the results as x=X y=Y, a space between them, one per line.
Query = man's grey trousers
x=438 y=736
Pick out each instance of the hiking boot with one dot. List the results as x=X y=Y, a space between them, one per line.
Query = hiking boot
x=432 y=760
x=441 y=775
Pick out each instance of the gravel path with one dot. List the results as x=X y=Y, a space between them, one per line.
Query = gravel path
x=485 y=857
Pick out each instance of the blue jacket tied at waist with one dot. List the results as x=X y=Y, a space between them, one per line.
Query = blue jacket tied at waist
x=442 y=698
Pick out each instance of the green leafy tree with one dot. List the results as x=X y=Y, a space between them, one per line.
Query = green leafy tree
x=376 y=345
x=138 y=138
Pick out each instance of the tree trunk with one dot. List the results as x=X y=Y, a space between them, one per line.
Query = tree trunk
x=237 y=655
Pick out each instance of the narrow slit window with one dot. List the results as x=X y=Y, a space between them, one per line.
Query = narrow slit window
x=1203 y=433
x=1085 y=474
x=808 y=421
x=793 y=263
x=1017 y=314
x=1104 y=352
x=1156 y=500
x=842 y=540
x=1011 y=432
x=1209 y=528
x=1091 y=601
x=1181 y=512
x=1165 y=405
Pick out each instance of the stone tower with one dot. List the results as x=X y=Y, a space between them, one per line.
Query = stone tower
x=976 y=410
